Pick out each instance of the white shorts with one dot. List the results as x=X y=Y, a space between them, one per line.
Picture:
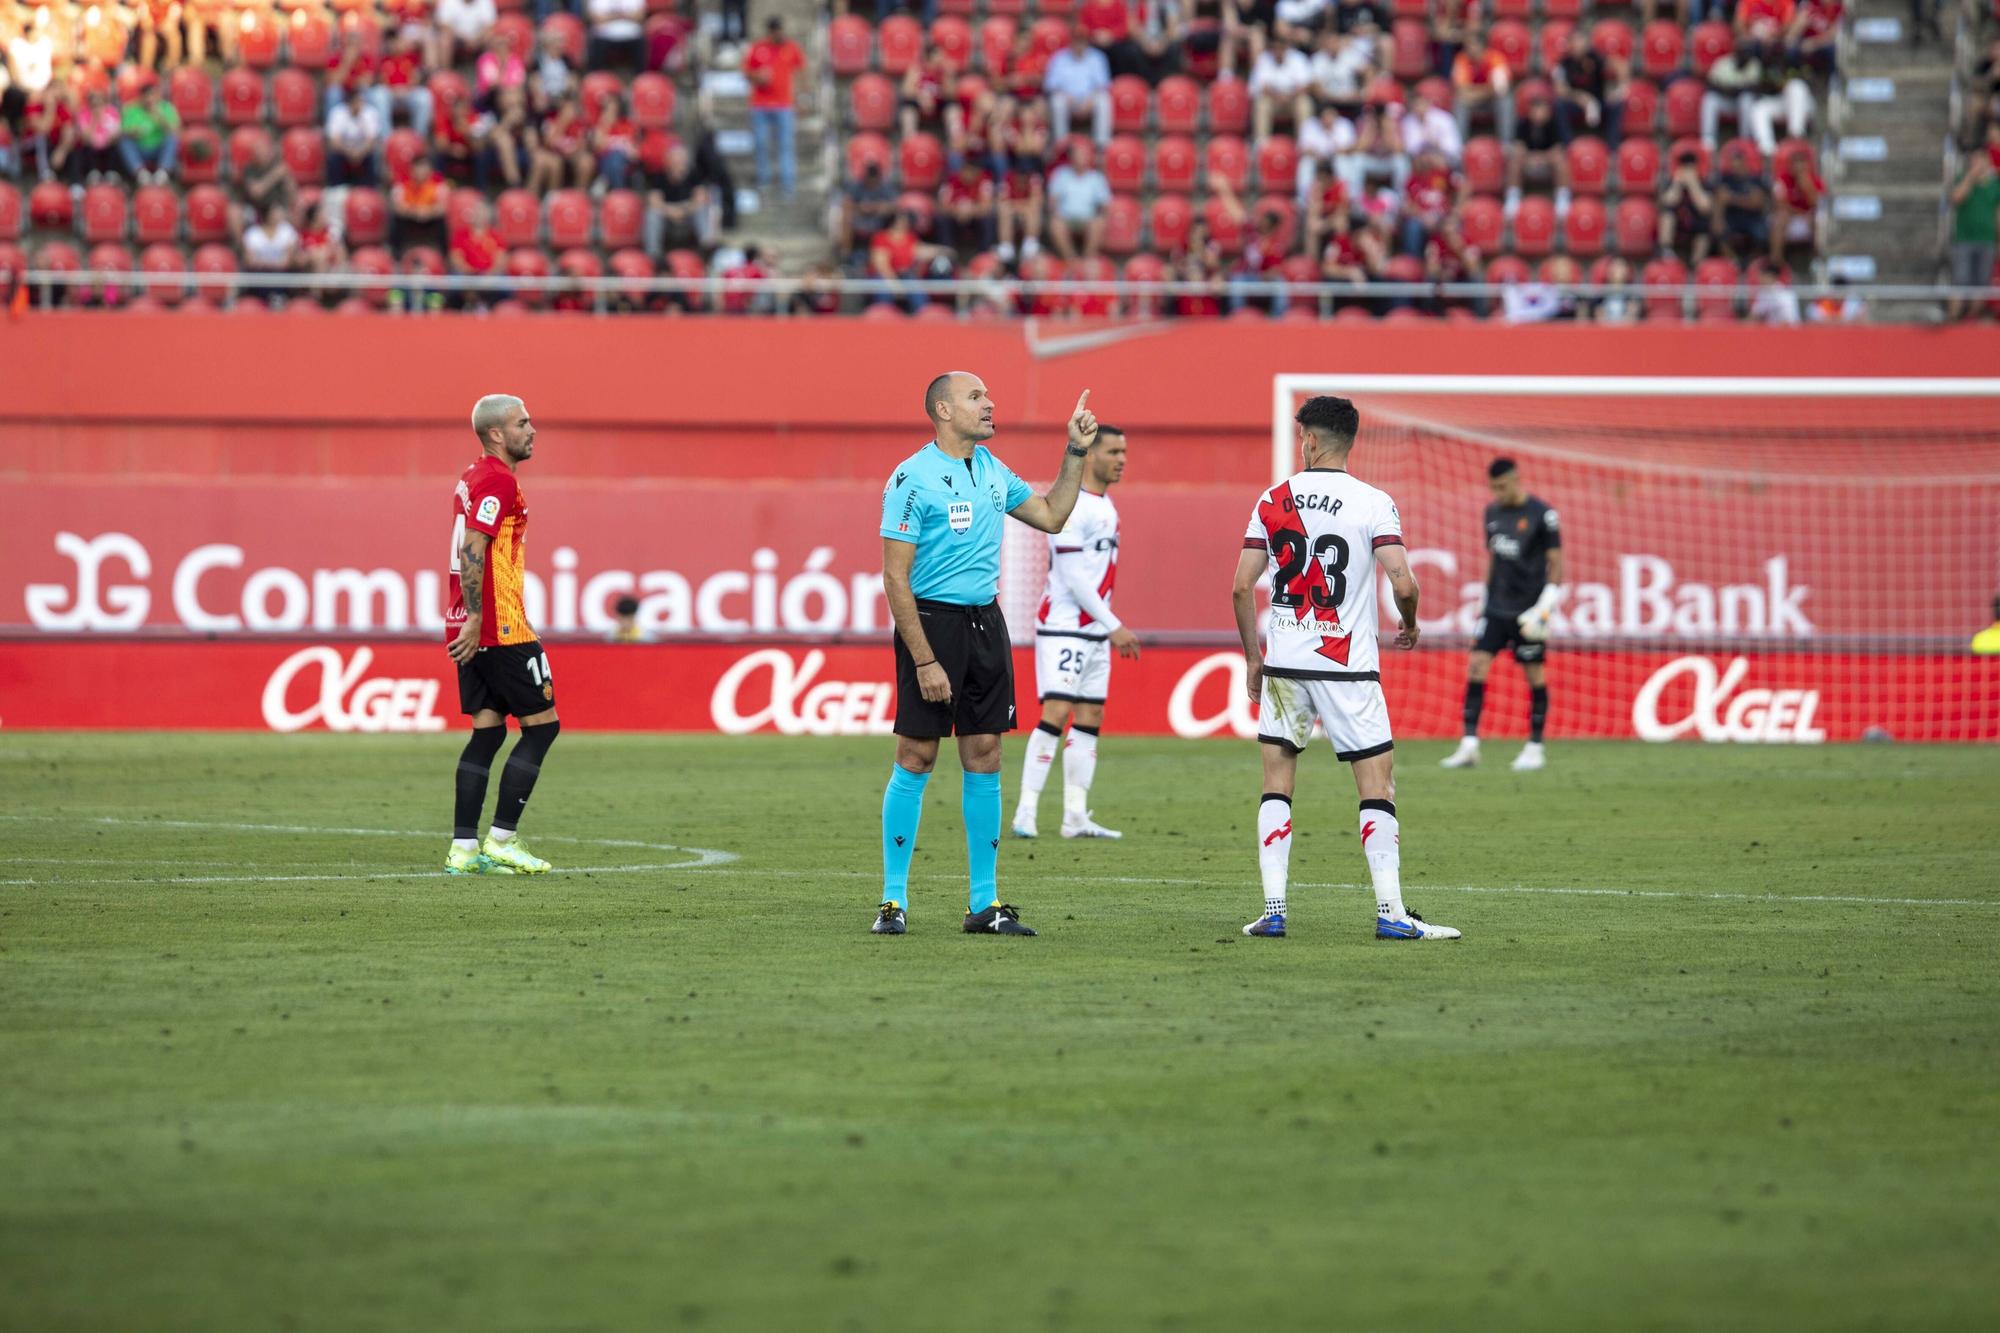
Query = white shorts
x=1353 y=714
x=1078 y=670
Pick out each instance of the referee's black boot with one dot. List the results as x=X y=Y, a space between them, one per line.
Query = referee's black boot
x=889 y=921
x=999 y=919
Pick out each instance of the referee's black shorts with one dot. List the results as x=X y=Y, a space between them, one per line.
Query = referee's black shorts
x=971 y=644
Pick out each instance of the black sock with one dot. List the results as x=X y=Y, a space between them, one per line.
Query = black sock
x=524 y=765
x=1475 y=704
x=1538 y=711
x=474 y=763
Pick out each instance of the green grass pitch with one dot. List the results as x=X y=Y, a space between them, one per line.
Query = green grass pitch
x=291 y=1079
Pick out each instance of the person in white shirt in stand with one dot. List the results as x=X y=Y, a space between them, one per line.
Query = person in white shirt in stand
x=1078 y=83
x=1075 y=635
x=1323 y=141
x=1278 y=84
x=1429 y=128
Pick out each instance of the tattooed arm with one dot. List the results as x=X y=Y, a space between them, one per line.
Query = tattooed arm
x=471 y=582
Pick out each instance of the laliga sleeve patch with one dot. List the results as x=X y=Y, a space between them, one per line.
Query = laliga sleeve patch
x=489 y=509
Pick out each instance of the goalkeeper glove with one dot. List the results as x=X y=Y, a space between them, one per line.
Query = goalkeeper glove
x=1534 y=621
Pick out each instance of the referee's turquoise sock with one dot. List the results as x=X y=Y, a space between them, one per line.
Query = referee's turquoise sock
x=902 y=811
x=979 y=802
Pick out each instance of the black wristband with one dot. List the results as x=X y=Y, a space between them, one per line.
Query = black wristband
x=921 y=665
x=1075 y=452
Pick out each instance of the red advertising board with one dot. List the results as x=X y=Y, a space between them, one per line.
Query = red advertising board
x=846 y=689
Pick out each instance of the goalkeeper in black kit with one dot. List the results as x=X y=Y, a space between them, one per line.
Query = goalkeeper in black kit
x=1523 y=585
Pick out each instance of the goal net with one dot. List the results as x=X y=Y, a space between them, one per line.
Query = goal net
x=1745 y=559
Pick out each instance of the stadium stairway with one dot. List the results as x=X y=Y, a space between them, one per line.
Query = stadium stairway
x=794 y=232
x=1889 y=126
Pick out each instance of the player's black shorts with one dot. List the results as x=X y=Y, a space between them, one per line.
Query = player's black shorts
x=972 y=646
x=1502 y=629
x=512 y=678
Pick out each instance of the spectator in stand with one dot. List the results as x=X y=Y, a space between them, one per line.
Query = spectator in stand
x=1686 y=210
x=1975 y=231
x=772 y=66
x=927 y=104
x=1157 y=39
x=736 y=19
x=320 y=248
x=1621 y=305
x=152 y=137
x=1379 y=151
x=1347 y=254
x=1779 y=91
x=1772 y=300
x=416 y=208
x=461 y=28
x=1325 y=143
x=816 y=294
x=1325 y=195
x=51 y=130
x=1451 y=21
x=1078 y=83
x=1761 y=20
x=676 y=205
x=897 y=255
x=1342 y=69
x=1742 y=209
x=565 y=152
x=354 y=134
x=1536 y=159
x=402 y=82
x=749 y=268
x=617 y=34
x=159 y=24
x=1433 y=192
x=452 y=145
x=1300 y=22
x=476 y=252
x=615 y=140
x=1797 y=189
x=1280 y=82
x=553 y=75
x=271 y=245
x=202 y=19
x=266 y=182
x=1812 y=38
x=498 y=69
x=1590 y=91
x=1733 y=81
x=1078 y=196
x=506 y=141
x=1024 y=69
x=968 y=214
x=1450 y=258
x=1834 y=308
x=1363 y=16
x=1480 y=82
x=1201 y=265
x=1428 y=128
x=98 y=125
x=352 y=69
x=1107 y=25
x=712 y=170
x=1261 y=261
x=31 y=53
x=1022 y=205
x=867 y=207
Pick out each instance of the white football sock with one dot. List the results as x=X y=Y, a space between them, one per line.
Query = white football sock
x=1381 y=843
x=500 y=834
x=466 y=844
x=1274 y=848
x=1079 y=767
x=1042 y=745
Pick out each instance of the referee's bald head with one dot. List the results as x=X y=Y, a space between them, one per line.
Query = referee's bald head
x=939 y=391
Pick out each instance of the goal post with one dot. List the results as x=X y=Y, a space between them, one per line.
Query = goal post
x=1754 y=558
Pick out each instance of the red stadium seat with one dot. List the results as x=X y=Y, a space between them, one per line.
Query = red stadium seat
x=156 y=214
x=164 y=260
x=996 y=39
x=1589 y=165
x=598 y=87
x=1174 y=164
x=1125 y=164
x=13 y=260
x=1511 y=40
x=568 y=29
x=192 y=94
x=1438 y=91
x=1169 y=222
x=687 y=264
x=214 y=262
x=1130 y=98
x=201 y=155
x=863 y=149
x=109 y=258
x=921 y=205
x=1180 y=105
x=10 y=212
x=921 y=159
x=517 y=218
x=242 y=97
x=1642 y=108
x=259 y=37
x=653 y=102
x=294 y=99
x=516 y=30
x=207 y=215
x=1485 y=165
x=1709 y=42
x=367 y=217
x=1663 y=273
x=1684 y=108
x=1553 y=38
x=1225 y=228
x=1503 y=9
x=402 y=147
x=1049 y=35
x=1055 y=6
x=1228 y=107
x=1561 y=9
x=871 y=101
x=1662 y=47
x=49 y=205
x=568 y=219
x=104 y=212
x=654 y=145
x=373 y=261
x=1229 y=159
x=1584 y=227
x=1122 y=226
x=1529 y=91
x=529 y=262
x=1403 y=268
x=423 y=262
x=951 y=37
x=1144 y=268
x=1278 y=164
x=849 y=44
x=580 y=264
x=1638 y=166
x=246 y=145
x=1690 y=144
x=1483 y=224
x=1721 y=274
x=1535 y=228
x=310 y=40
x=901 y=43
x=1277 y=206
x=1409 y=50
x=1612 y=39
x=621 y=220
x=1743 y=155
x=304 y=151
x=1636 y=227
x=449 y=89
x=635 y=266
x=1506 y=268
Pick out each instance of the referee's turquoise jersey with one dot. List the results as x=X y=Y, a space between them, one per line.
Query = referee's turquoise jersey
x=952 y=510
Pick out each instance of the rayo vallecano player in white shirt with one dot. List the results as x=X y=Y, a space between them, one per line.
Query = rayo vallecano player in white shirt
x=1075 y=635
x=1327 y=533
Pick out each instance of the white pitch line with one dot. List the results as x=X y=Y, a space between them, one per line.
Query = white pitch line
x=315 y=879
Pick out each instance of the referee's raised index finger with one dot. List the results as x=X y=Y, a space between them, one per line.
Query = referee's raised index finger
x=1081 y=400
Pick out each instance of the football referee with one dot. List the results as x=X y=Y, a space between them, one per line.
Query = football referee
x=941 y=533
